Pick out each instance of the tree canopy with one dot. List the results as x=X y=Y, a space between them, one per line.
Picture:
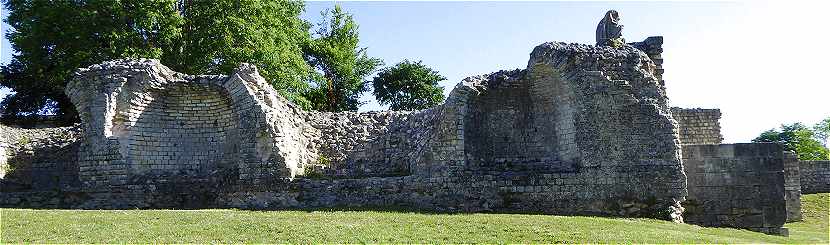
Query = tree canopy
x=408 y=86
x=219 y=35
x=54 y=38
x=799 y=138
x=341 y=64
x=325 y=70
x=822 y=130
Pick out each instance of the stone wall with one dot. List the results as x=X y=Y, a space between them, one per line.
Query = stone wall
x=373 y=144
x=792 y=186
x=584 y=130
x=185 y=128
x=41 y=159
x=815 y=176
x=698 y=126
x=4 y=148
x=653 y=47
x=736 y=185
x=142 y=119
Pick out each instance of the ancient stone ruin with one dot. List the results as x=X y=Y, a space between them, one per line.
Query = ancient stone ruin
x=583 y=130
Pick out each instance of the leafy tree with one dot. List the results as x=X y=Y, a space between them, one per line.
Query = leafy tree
x=341 y=64
x=799 y=138
x=218 y=35
x=408 y=86
x=822 y=130
x=53 y=38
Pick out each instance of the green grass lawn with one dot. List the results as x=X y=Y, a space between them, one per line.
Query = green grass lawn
x=227 y=226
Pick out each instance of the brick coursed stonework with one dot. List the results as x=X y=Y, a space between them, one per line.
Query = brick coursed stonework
x=815 y=176
x=698 y=126
x=792 y=186
x=584 y=130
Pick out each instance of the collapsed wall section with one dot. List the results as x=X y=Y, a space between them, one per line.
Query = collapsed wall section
x=39 y=166
x=40 y=159
x=736 y=185
x=373 y=144
x=814 y=176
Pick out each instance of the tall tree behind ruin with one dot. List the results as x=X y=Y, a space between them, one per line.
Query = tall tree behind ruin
x=341 y=64
x=218 y=35
x=53 y=38
x=408 y=86
x=804 y=141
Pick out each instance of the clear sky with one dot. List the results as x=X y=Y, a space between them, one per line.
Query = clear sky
x=761 y=63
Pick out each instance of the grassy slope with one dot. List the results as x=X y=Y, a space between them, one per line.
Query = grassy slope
x=72 y=226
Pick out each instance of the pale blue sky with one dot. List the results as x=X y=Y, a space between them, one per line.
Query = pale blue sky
x=761 y=63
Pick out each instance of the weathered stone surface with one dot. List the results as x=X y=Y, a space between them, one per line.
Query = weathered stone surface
x=815 y=176
x=4 y=145
x=142 y=118
x=39 y=159
x=792 y=186
x=698 y=126
x=584 y=130
x=736 y=185
x=653 y=47
x=609 y=30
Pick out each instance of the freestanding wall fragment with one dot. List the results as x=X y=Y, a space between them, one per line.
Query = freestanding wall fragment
x=145 y=122
x=736 y=185
x=815 y=176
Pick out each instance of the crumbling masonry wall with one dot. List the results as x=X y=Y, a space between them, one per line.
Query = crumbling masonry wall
x=815 y=176
x=711 y=176
x=41 y=159
x=4 y=146
x=373 y=144
x=40 y=166
x=583 y=130
x=144 y=122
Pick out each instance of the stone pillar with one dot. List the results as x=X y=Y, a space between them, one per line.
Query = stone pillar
x=792 y=187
